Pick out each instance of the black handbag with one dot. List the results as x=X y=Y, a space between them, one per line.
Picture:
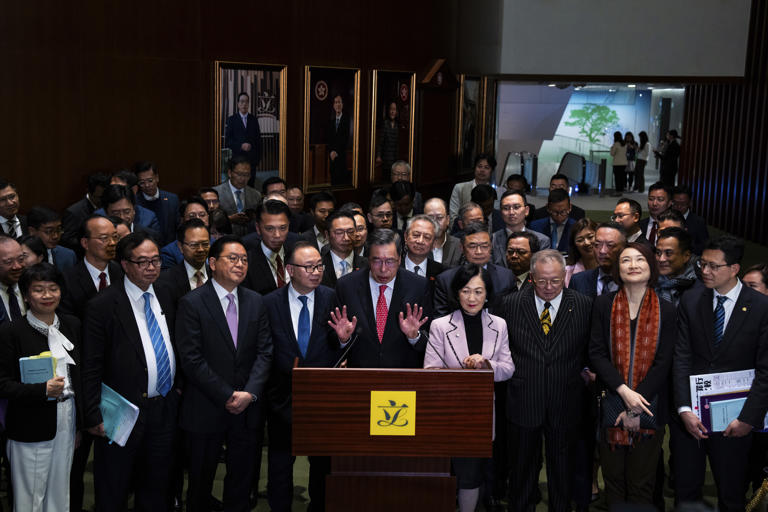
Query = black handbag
x=612 y=405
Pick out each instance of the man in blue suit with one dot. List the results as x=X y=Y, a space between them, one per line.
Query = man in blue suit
x=610 y=239
x=164 y=204
x=119 y=201
x=298 y=317
x=242 y=134
x=557 y=226
x=45 y=224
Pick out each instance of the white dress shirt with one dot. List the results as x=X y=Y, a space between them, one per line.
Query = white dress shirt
x=191 y=274
x=270 y=255
x=295 y=305
x=321 y=240
x=94 y=273
x=135 y=297
x=234 y=196
x=19 y=299
x=411 y=267
x=554 y=305
x=337 y=263
x=221 y=293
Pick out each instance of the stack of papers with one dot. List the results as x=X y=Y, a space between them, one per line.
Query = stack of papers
x=717 y=398
x=119 y=415
x=37 y=369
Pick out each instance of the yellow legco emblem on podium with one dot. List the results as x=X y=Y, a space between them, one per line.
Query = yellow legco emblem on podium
x=393 y=413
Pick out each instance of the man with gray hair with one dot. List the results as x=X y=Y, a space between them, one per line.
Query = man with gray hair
x=549 y=328
x=446 y=248
x=419 y=237
x=401 y=171
x=384 y=306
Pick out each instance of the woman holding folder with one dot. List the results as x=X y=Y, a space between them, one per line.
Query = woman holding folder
x=41 y=416
x=633 y=337
x=470 y=338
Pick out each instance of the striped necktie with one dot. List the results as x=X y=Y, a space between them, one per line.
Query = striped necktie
x=545 y=319
x=719 y=320
x=164 y=379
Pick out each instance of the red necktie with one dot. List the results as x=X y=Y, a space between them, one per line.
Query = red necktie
x=381 y=312
x=102 y=281
x=652 y=236
x=280 y=271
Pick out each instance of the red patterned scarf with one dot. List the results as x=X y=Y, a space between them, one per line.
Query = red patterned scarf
x=646 y=336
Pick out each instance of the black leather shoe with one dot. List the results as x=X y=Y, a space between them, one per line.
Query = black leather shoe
x=216 y=504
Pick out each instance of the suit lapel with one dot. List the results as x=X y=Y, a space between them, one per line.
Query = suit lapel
x=129 y=322
x=707 y=320
x=736 y=321
x=330 y=272
x=490 y=336
x=532 y=316
x=395 y=306
x=212 y=303
x=365 y=297
x=243 y=308
x=562 y=320
x=288 y=320
x=457 y=332
x=317 y=322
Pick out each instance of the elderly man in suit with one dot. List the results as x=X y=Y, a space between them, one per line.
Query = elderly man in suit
x=192 y=208
x=225 y=349
x=193 y=239
x=722 y=329
x=11 y=267
x=476 y=246
x=164 y=204
x=514 y=210
x=557 y=226
x=242 y=134
x=45 y=224
x=298 y=318
x=339 y=256
x=609 y=241
x=12 y=223
x=548 y=336
x=128 y=345
x=236 y=196
x=446 y=248
x=384 y=306
x=76 y=213
x=419 y=238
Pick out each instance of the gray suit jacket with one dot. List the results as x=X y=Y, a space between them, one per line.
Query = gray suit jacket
x=451 y=252
x=461 y=194
x=499 y=245
x=227 y=203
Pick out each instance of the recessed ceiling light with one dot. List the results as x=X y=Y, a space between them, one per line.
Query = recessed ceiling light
x=650 y=88
x=551 y=85
x=641 y=95
x=631 y=86
x=611 y=90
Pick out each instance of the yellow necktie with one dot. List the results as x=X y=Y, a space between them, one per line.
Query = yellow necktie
x=545 y=319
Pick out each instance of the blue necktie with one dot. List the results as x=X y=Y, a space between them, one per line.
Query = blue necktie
x=239 y=200
x=719 y=320
x=303 y=337
x=554 y=236
x=163 y=384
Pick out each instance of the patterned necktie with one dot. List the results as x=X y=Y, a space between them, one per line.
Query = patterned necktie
x=416 y=269
x=164 y=380
x=102 y=280
x=545 y=319
x=198 y=279
x=232 y=317
x=303 y=337
x=239 y=200
x=11 y=227
x=279 y=271
x=719 y=320
x=381 y=312
x=343 y=268
x=13 y=304
x=606 y=280
x=652 y=235
x=554 y=236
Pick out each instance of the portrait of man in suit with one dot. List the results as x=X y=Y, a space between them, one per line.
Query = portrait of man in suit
x=337 y=139
x=225 y=351
x=549 y=328
x=241 y=132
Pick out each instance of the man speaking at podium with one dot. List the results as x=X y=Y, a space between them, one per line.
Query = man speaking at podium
x=386 y=306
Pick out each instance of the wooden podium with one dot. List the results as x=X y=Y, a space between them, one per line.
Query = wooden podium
x=335 y=412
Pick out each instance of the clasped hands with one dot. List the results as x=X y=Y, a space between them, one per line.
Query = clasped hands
x=476 y=362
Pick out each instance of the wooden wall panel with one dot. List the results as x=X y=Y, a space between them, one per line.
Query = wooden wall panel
x=725 y=142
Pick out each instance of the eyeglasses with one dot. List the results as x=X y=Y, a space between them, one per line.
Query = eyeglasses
x=541 y=283
x=105 y=239
x=310 y=269
x=479 y=247
x=383 y=215
x=341 y=232
x=147 y=181
x=197 y=245
x=714 y=267
x=618 y=216
x=144 y=264
x=521 y=252
x=389 y=262
x=559 y=213
x=234 y=258
x=512 y=207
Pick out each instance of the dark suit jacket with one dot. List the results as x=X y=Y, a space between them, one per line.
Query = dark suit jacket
x=697 y=228
x=451 y=252
x=30 y=416
x=63 y=258
x=176 y=280
x=309 y=236
x=301 y=222
x=656 y=381
x=72 y=221
x=166 y=209
x=235 y=134
x=252 y=241
x=213 y=367
x=585 y=282
x=22 y=222
x=502 y=278
x=353 y=290
x=544 y=227
x=322 y=351
x=79 y=287
x=259 y=277
x=112 y=350
x=143 y=219
x=744 y=346
x=337 y=140
x=329 y=274
x=547 y=387
x=540 y=213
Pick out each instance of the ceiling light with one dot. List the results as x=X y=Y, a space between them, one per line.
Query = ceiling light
x=631 y=86
x=611 y=90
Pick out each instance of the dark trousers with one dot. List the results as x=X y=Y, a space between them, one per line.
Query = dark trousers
x=203 y=451
x=280 y=470
x=758 y=459
x=619 y=177
x=76 y=474
x=630 y=471
x=143 y=464
x=640 y=175
x=525 y=451
x=728 y=457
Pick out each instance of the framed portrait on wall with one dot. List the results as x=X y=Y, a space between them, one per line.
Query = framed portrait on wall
x=250 y=117
x=331 y=127
x=470 y=121
x=392 y=121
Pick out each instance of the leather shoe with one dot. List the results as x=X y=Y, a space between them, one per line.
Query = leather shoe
x=216 y=504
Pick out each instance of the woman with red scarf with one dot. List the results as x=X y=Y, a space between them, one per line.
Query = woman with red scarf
x=633 y=337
